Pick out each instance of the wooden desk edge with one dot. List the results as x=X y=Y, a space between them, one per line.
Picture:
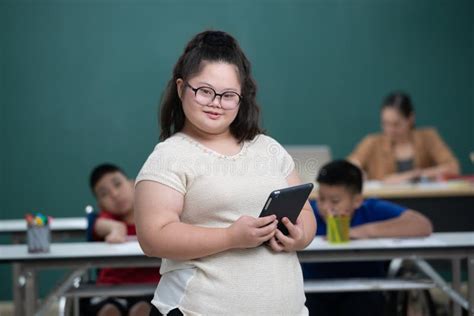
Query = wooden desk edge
x=414 y=192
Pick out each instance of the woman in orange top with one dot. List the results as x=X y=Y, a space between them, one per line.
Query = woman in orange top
x=402 y=153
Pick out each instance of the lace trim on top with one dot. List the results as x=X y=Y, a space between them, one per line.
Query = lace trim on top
x=209 y=151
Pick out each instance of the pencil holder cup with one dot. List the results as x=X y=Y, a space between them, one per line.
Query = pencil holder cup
x=338 y=229
x=38 y=238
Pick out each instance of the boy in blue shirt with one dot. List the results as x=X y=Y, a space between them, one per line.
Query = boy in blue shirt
x=340 y=193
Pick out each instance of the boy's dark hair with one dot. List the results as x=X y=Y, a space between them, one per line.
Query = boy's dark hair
x=101 y=170
x=341 y=172
x=212 y=46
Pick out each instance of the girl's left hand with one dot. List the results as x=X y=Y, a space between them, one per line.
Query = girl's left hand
x=294 y=241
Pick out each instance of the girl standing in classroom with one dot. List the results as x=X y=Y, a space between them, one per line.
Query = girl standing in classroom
x=200 y=192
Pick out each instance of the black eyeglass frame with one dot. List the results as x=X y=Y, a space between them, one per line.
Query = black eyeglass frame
x=195 y=90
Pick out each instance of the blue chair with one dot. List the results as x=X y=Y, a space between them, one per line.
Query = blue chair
x=91 y=218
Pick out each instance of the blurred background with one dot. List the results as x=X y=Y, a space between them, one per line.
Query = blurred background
x=81 y=80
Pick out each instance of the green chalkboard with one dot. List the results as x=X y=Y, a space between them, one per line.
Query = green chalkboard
x=80 y=81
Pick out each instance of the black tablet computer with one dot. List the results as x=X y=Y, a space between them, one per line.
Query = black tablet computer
x=287 y=202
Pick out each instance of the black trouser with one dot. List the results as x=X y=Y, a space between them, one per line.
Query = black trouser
x=155 y=312
x=346 y=303
x=89 y=306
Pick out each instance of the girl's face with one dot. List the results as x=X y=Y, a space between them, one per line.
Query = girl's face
x=394 y=124
x=210 y=117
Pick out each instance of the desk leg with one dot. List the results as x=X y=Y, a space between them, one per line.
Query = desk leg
x=470 y=281
x=456 y=274
x=18 y=286
x=30 y=293
x=441 y=283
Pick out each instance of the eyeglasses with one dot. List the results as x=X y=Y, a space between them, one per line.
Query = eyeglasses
x=205 y=95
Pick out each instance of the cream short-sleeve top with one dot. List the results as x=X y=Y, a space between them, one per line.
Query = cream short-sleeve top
x=217 y=190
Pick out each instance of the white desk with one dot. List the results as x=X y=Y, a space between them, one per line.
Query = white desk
x=60 y=227
x=448 y=246
x=430 y=247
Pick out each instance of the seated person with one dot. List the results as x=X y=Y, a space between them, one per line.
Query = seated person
x=402 y=152
x=340 y=193
x=114 y=192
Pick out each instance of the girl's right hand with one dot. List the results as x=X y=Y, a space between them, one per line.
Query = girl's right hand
x=250 y=232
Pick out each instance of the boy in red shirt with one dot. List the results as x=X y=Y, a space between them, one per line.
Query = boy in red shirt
x=115 y=223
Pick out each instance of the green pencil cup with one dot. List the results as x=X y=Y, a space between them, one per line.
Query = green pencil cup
x=338 y=229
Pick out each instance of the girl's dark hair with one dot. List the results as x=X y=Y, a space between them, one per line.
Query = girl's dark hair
x=399 y=101
x=212 y=46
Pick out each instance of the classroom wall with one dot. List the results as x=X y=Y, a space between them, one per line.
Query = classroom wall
x=80 y=80
x=2 y=112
